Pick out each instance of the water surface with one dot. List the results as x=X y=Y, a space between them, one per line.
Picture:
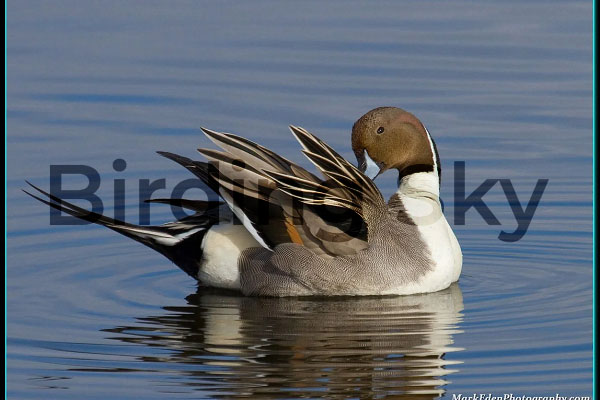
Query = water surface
x=505 y=87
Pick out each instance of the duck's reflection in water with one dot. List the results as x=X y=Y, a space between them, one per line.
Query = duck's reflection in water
x=368 y=347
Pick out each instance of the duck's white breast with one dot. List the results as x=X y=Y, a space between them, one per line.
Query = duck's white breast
x=438 y=238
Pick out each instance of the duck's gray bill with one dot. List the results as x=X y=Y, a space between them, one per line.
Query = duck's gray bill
x=367 y=166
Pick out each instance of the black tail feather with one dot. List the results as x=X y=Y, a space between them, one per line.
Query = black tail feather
x=201 y=169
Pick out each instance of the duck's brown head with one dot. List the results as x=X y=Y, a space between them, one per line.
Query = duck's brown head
x=391 y=138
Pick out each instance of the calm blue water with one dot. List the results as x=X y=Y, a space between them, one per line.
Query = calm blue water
x=505 y=87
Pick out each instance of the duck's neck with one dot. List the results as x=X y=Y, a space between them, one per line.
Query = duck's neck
x=420 y=184
x=418 y=199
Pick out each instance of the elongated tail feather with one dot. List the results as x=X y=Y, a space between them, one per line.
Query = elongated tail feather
x=179 y=241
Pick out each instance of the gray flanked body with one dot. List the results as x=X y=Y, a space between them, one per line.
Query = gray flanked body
x=395 y=259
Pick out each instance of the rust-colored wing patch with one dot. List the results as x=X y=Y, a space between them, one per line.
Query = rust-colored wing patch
x=292 y=232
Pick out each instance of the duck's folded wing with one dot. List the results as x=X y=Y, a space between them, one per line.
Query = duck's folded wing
x=280 y=202
x=344 y=187
x=244 y=190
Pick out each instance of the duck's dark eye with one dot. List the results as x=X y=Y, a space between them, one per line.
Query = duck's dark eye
x=380 y=129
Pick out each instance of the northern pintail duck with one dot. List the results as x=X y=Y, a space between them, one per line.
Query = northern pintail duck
x=283 y=231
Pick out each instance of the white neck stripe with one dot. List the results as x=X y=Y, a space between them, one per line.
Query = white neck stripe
x=433 y=152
